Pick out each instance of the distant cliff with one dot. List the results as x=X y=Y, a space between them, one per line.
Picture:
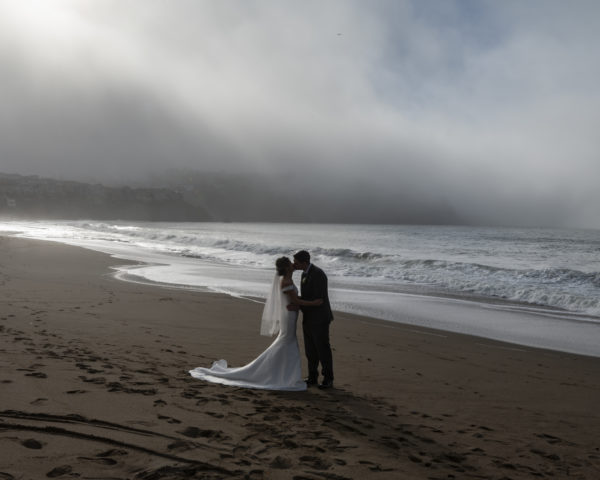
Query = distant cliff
x=43 y=198
x=201 y=196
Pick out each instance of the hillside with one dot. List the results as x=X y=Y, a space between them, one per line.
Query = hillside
x=44 y=198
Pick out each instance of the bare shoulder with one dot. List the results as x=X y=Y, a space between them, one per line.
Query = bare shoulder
x=286 y=283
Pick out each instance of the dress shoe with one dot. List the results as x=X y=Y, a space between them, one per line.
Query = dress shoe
x=326 y=384
x=310 y=382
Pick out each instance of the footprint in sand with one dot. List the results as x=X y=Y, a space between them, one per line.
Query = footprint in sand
x=194 y=432
x=32 y=444
x=168 y=419
x=282 y=463
x=549 y=438
x=87 y=368
x=118 y=387
x=315 y=462
x=390 y=443
x=59 y=471
x=95 y=380
x=181 y=446
x=113 y=452
x=255 y=475
x=99 y=461
x=287 y=443
x=215 y=414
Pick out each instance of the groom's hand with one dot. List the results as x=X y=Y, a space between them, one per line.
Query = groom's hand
x=293 y=308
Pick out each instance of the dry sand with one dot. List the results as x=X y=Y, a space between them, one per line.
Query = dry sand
x=94 y=384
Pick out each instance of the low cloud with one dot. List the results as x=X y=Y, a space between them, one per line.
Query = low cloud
x=490 y=107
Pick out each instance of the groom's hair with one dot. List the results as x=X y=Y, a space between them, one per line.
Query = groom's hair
x=302 y=256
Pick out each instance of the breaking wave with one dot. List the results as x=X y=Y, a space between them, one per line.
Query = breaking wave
x=550 y=268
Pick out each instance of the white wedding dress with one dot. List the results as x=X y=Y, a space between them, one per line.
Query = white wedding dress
x=278 y=367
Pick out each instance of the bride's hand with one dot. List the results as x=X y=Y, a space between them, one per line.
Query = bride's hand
x=318 y=302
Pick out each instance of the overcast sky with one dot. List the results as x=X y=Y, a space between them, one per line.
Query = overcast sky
x=491 y=106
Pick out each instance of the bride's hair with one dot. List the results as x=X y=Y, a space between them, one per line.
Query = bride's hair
x=281 y=265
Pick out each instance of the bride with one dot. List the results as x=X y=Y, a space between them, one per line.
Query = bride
x=278 y=367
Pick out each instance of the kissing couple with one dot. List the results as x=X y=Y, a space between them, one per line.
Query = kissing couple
x=279 y=366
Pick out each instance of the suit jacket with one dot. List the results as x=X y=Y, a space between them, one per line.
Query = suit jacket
x=313 y=285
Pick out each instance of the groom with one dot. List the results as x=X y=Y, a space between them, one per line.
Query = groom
x=315 y=320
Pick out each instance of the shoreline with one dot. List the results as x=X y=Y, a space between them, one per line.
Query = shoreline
x=122 y=275
x=94 y=382
x=512 y=321
x=507 y=307
x=477 y=302
x=555 y=286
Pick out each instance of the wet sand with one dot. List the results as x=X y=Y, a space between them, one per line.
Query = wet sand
x=94 y=384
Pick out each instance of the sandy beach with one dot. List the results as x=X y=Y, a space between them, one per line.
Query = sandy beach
x=94 y=385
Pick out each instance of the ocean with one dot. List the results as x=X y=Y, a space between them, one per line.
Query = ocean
x=528 y=286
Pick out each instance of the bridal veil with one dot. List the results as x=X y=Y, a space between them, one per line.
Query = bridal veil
x=273 y=311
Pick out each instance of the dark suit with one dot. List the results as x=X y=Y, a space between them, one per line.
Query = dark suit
x=315 y=324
